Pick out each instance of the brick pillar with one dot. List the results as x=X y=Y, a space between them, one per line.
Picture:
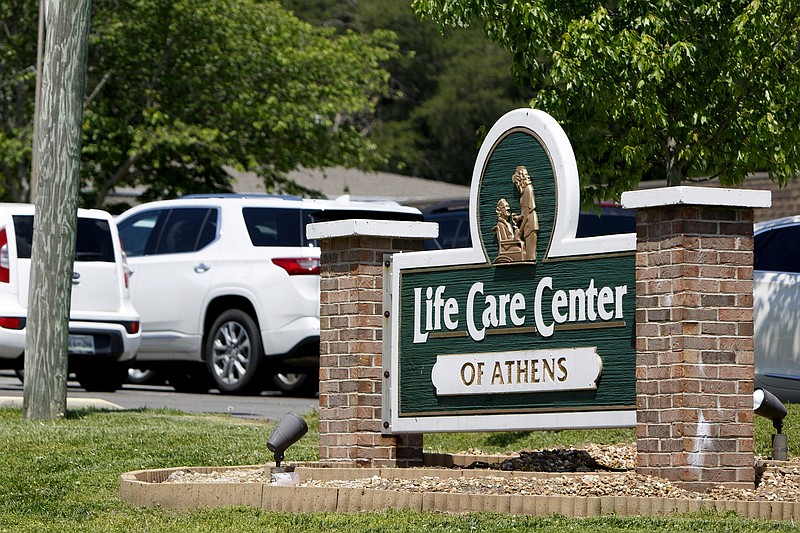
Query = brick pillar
x=694 y=334
x=351 y=322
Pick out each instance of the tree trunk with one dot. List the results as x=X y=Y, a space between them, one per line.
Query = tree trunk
x=57 y=160
x=674 y=170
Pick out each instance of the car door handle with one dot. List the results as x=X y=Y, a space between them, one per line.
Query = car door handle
x=201 y=267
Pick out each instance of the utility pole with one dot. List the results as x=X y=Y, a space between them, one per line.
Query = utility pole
x=57 y=151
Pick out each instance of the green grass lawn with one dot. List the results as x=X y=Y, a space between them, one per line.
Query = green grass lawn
x=64 y=476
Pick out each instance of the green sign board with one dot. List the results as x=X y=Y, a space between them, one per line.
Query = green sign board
x=530 y=327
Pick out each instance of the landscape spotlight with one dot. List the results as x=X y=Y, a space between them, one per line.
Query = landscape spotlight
x=288 y=431
x=767 y=405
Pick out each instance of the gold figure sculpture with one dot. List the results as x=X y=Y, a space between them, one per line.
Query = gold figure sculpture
x=517 y=234
x=510 y=248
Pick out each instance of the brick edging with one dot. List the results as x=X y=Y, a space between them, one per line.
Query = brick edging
x=144 y=488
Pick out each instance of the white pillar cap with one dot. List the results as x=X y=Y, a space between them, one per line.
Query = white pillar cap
x=373 y=228
x=710 y=196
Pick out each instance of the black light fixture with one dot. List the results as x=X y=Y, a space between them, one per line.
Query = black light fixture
x=288 y=431
x=767 y=405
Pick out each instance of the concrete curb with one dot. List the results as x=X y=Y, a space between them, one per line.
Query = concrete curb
x=145 y=488
x=72 y=403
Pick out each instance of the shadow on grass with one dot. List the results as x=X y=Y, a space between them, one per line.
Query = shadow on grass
x=507 y=438
x=83 y=412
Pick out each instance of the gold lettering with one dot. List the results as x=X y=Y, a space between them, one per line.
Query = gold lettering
x=480 y=372
x=522 y=371
x=497 y=373
x=549 y=369
x=509 y=366
x=563 y=375
x=535 y=371
x=464 y=380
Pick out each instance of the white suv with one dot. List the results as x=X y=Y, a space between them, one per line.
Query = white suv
x=103 y=327
x=228 y=287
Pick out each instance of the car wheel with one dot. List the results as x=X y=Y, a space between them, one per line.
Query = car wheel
x=102 y=378
x=293 y=384
x=233 y=353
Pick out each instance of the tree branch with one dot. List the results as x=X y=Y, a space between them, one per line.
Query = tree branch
x=120 y=174
x=98 y=87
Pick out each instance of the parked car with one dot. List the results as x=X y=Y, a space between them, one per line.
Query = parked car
x=103 y=327
x=606 y=219
x=453 y=219
x=776 y=302
x=228 y=287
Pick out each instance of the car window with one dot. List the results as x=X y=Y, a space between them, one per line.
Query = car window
x=453 y=227
x=608 y=222
x=186 y=230
x=92 y=240
x=168 y=231
x=138 y=230
x=778 y=249
x=274 y=227
x=453 y=232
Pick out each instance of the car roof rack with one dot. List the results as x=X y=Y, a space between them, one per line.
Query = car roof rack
x=240 y=195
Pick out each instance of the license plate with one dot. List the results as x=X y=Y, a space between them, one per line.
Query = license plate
x=81 y=344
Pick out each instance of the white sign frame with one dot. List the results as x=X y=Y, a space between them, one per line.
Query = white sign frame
x=564 y=244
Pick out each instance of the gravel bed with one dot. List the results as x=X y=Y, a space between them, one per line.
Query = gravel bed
x=589 y=458
x=589 y=476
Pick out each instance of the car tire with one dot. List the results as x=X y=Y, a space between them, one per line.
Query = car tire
x=102 y=378
x=294 y=384
x=233 y=353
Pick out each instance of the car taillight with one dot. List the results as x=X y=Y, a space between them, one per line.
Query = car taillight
x=132 y=327
x=12 y=322
x=297 y=266
x=125 y=268
x=5 y=265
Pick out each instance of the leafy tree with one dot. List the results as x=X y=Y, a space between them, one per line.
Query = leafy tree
x=18 y=31
x=474 y=89
x=678 y=89
x=179 y=90
x=446 y=89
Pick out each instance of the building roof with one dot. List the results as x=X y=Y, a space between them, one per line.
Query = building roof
x=336 y=181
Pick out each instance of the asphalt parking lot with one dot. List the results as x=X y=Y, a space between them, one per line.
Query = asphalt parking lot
x=268 y=405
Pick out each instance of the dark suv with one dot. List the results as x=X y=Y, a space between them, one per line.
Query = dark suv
x=453 y=219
